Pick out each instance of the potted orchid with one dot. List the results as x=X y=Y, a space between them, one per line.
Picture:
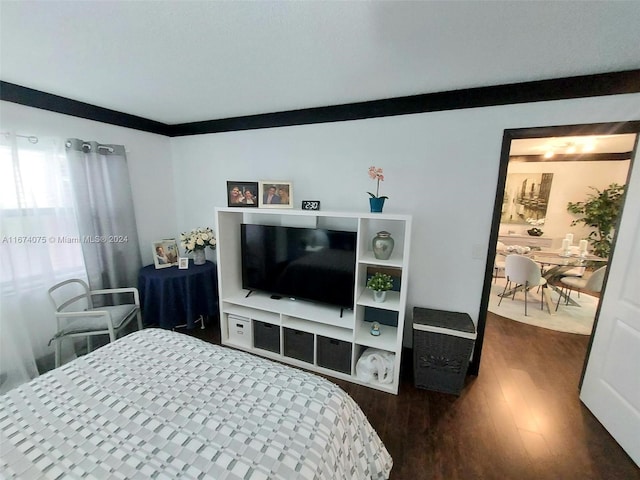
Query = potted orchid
x=376 y=201
x=196 y=241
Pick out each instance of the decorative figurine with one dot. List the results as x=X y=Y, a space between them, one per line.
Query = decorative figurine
x=375 y=329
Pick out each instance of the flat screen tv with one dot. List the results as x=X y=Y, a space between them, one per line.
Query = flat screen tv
x=302 y=263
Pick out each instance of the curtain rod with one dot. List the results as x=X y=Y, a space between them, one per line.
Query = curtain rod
x=87 y=146
x=32 y=138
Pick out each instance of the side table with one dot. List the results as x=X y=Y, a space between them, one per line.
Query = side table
x=171 y=297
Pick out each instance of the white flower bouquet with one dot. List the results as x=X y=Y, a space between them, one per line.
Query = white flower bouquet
x=198 y=239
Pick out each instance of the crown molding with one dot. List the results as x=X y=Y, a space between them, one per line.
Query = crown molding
x=583 y=86
x=11 y=92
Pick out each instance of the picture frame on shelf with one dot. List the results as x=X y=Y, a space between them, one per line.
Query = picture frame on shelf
x=276 y=194
x=165 y=253
x=242 y=194
x=183 y=263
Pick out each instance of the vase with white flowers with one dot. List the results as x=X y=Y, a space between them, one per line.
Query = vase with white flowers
x=380 y=283
x=376 y=202
x=196 y=241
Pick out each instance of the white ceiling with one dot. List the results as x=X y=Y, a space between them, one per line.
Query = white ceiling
x=184 y=61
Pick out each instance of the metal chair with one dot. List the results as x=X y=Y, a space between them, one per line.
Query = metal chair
x=592 y=284
x=76 y=316
x=523 y=272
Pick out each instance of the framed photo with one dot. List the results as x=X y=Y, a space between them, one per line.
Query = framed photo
x=242 y=194
x=276 y=194
x=183 y=263
x=165 y=253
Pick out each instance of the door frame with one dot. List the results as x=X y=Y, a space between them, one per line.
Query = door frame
x=608 y=128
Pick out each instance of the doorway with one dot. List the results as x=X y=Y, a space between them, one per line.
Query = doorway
x=543 y=176
x=530 y=134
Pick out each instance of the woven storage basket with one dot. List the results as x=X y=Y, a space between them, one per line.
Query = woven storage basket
x=266 y=336
x=442 y=345
x=298 y=345
x=334 y=354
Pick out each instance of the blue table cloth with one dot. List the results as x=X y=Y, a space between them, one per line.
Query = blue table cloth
x=170 y=296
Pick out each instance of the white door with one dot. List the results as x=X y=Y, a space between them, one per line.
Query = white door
x=611 y=386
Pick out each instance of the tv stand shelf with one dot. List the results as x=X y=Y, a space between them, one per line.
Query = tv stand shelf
x=326 y=314
x=318 y=337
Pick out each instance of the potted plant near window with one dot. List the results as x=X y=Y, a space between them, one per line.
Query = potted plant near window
x=600 y=211
x=380 y=283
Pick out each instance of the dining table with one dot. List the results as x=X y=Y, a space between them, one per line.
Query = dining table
x=553 y=264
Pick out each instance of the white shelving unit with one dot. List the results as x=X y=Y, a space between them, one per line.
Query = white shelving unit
x=335 y=337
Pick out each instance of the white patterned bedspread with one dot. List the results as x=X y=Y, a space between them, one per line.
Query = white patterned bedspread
x=162 y=405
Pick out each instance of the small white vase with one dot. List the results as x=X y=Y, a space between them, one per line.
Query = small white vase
x=199 y=257
x=379 y=297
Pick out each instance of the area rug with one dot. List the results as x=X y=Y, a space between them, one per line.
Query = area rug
x=568 y=318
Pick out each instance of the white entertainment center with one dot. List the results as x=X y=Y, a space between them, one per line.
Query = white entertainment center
x=314 y=336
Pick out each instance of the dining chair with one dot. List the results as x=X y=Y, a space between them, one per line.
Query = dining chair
x=592 y=284
x=523 y=272
x=574 y=272
x=76 y=316
x=498 y=263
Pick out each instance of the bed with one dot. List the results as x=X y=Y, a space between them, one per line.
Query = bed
x=160 y=404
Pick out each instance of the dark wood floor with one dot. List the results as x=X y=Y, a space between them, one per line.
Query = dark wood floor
x=521 y=418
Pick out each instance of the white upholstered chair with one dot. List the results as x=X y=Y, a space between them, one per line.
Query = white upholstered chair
x=77 y=317
x=498 y=263
x=521 y=270
x=592 y=284
x=574 y=272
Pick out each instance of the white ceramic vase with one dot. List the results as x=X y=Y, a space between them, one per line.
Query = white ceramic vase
x=379 y=296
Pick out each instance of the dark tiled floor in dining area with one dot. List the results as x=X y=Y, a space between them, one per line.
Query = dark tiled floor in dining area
x=521 y=418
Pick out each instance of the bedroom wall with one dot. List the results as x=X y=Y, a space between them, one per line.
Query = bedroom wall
x=440 y=167
x=148 y=157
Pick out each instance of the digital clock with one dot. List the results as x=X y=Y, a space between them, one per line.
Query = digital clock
x=311 y=205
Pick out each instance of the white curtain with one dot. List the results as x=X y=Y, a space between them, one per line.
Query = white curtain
x=39 y=246
x=66 y=211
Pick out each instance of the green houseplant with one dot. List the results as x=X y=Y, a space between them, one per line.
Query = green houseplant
x=380 y=283
x=600 y=211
